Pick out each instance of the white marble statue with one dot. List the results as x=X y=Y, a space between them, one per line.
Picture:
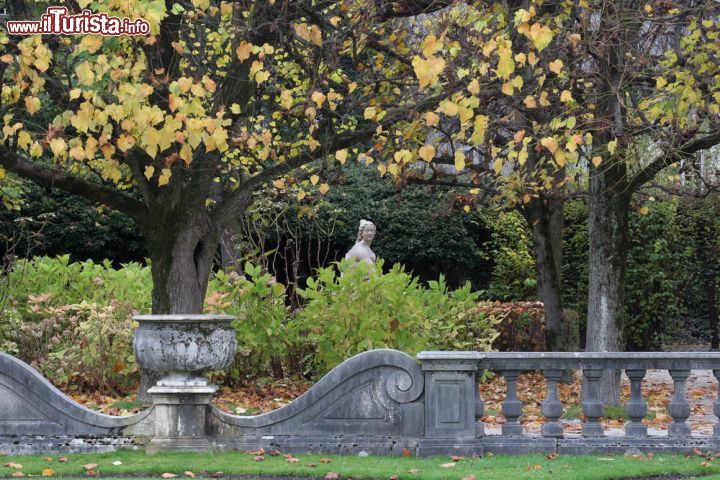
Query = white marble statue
x=361 y=251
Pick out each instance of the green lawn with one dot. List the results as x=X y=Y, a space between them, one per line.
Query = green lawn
x=136 y=463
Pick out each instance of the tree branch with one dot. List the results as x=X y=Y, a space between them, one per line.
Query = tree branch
x=672 y=153
x=47 y=177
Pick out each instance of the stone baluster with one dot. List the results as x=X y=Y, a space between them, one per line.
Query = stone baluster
x=592 y=406
x=636 y=407
x=716 y=407
x=679 y=407
x=511 y=407
x=552 y=408
x=479 y=407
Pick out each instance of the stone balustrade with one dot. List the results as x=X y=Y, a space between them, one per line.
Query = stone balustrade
x=380 y=402
x=593 y=438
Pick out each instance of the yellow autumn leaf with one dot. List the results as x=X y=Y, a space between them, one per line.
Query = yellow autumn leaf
x=318 y=97
x=125 y=142
x=506 y=64
x=611 y=146
x=498 y=165
x=474 y=86
x=341 y=155
x=85 y=73
x=32 y=104
x=466 y=208
x=244 y=50
x=164 y=177
x=597 y=161
x=541 y=36
x=530 y=102
x=382 y=169
x=47 y=472
x=644 y=210
x=90 y=43
x=459 y=160
x=314 y=179
x=36 y=150
x=431 y=119
x=149 y=171
x=370 y=113
x=58 y=147
x=448 y=108
x=286 y=99
x=427 y=70
x=507 y=88
x=523 y=155
x=426 y=152
x=279 y=183
x=565 y=97
x=324 y=188
x=7 y=58
x=550 y=143
x=556 y=66
x=430 y=45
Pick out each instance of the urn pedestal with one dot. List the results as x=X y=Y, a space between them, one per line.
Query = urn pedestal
x=181 y=348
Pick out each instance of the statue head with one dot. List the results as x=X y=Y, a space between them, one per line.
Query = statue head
x=366 y=231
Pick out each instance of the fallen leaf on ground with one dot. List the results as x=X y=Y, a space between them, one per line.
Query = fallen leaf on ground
x=292 y=460
x=312 y=465
x=13 y=465
x=275 y=453
x=288 y=455
x=394 y=477
x=413 y=471
x=332 y=476
x=189 y=474
x=455 y=458
x=168 y=475
x=325 y=460
x=48 y=472
x=261 y=451
x=90 y=466
x=62 y=459
x=533 y=467
x=17 y=474
x=259 y=458
x=48 y=459
x=470 y=477
x=552 y=456
x=447 y=465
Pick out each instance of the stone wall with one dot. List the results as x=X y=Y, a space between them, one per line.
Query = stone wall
x=380 y=402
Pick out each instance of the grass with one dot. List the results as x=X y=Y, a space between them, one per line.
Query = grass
x=591 y=467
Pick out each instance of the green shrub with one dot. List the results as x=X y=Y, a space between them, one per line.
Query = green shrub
x=86 y=344
x=258 y=302
x=360 y=308
x=73 y=321
x=510 y=249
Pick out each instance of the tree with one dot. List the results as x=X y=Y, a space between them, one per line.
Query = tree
x=178 y=128
x=598 y=94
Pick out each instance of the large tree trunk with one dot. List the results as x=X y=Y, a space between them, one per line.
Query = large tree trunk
x=181 y=254
x=547 y=249
x=608 y=237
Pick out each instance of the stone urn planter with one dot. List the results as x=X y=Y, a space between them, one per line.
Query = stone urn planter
x=181 y=348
